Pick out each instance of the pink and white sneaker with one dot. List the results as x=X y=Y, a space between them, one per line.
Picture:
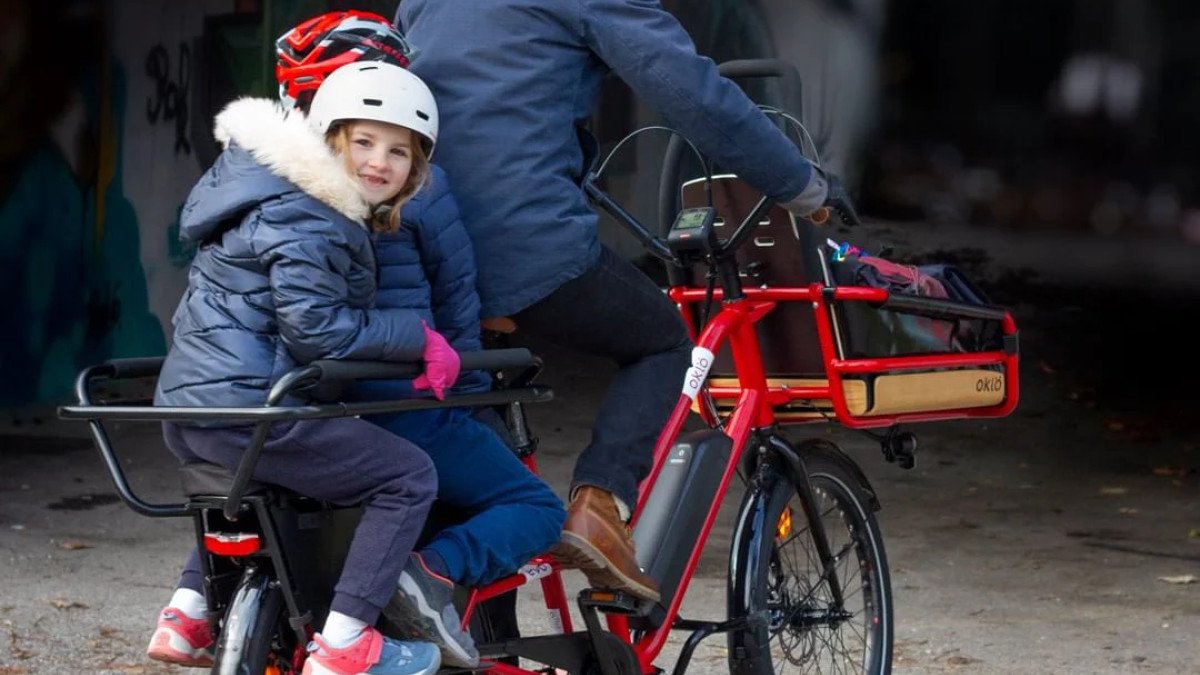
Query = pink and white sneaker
x=181 y=640
x=372 y=654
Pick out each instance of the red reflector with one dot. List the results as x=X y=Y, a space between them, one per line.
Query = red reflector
x=231 y=544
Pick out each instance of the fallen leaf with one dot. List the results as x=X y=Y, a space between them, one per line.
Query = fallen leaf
x=957 y=660
x=1168 y=471
x=63 y=603
x=1127 y=511
x=1047 y=368
x=1181 y=579
x=108 y=631
x=1194 y=533
x=73 y=544
x=12 y=670
x=1116 y=426
x=1114 y=490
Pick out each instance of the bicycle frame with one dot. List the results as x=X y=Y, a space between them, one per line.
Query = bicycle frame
x=755 y=409
x=735 y=323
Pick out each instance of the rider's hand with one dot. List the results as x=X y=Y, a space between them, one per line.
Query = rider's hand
x=824 y=193
x=441 y=365
x=838 y=200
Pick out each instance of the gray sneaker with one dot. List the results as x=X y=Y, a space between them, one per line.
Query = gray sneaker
x=424 y=610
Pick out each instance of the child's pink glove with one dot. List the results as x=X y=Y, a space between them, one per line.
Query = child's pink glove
x=441 y=364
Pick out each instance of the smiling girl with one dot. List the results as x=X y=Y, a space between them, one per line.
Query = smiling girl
x=285 y=274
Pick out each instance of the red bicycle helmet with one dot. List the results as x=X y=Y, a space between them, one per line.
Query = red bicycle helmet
x=306 y=54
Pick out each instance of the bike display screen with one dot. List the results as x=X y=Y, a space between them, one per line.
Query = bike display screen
x=692 y=230
x=691 y=219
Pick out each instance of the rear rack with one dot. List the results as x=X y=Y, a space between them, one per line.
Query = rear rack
x=320 y=378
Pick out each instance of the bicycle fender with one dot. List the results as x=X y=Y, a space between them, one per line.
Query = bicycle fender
x=250 y=604
x=829 y=451
x=751 y=540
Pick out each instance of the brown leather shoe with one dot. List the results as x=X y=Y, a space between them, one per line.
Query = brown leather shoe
x=595 y=541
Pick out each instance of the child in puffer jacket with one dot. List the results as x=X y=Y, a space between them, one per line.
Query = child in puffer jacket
x=285 y=275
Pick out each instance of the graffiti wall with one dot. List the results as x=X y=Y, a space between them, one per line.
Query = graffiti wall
x=100 y=154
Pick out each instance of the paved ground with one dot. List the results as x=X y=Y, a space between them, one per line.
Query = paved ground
x=1054 y=541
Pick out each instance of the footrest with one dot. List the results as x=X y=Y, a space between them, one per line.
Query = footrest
x=613 y=602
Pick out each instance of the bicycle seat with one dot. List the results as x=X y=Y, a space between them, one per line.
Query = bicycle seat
x=206 y=479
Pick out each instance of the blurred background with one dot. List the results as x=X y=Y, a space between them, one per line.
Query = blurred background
x=1019 y=119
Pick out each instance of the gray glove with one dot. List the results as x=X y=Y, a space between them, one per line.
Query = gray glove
x=824 y=189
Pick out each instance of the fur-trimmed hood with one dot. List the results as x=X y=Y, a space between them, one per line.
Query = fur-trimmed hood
x=268 y=153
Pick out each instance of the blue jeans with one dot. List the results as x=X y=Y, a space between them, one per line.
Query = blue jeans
x=513 y=514
x=616 y=312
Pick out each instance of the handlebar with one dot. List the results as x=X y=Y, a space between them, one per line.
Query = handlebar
x=668 y=197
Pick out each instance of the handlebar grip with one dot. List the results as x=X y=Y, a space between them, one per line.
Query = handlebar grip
x=487 y=359
x=497 y=359
x=348 y=371
x=143 y=366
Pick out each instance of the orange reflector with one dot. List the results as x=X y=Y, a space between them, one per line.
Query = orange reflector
x=784 y=527
x=272 y=670
x=602 y=596
x=231 y=545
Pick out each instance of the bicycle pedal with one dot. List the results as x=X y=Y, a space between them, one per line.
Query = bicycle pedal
x=613 y=602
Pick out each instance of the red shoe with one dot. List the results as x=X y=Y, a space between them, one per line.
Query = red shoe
x=181 y=640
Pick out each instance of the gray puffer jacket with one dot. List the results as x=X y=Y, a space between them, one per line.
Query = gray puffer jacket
x=285 y=273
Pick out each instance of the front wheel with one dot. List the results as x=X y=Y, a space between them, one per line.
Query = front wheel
x=810 y=611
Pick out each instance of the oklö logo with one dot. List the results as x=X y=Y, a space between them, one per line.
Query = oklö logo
x=989 y=384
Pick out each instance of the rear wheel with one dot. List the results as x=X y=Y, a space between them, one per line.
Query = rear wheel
x=818 y=618
x=255 y=636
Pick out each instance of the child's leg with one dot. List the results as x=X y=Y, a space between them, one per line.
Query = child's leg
x=345 y=461
x=516 y=515
x=348 y=461
x=183 y=635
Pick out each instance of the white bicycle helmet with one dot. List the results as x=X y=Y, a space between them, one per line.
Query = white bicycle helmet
x=381 y=92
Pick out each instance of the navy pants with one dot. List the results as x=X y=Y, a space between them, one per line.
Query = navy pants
x=343 y=461
x=512 y=515
x=615 y=311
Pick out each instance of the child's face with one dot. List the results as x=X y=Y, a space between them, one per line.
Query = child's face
x=380 y=156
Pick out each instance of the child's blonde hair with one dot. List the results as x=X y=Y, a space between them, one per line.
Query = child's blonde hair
x=387 y=220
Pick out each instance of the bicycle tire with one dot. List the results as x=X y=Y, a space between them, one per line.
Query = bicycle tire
x=804 y=629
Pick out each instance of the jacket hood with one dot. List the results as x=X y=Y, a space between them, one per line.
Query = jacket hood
x=268 y=153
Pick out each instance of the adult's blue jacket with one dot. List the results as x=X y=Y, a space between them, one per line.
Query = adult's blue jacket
x=285 y=273
x=516 y=80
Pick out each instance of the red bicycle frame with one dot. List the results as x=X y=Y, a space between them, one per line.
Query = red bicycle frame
x=754 y=409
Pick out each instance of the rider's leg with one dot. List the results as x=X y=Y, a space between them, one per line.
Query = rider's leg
x=515 y=515
x=615 y=311
x=345 y=461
